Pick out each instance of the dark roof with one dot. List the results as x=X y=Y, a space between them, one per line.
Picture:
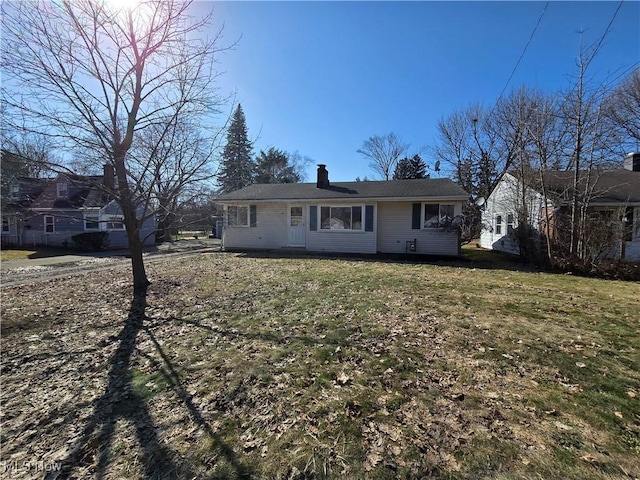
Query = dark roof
x=619 y=186
x=83 y=192
x=392 y=189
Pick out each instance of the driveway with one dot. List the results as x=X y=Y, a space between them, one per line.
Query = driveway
x=16 y=272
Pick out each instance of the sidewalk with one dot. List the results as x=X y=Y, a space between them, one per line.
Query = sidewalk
x=163 y=248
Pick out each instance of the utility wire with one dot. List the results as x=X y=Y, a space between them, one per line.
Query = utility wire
x=606 y=31
x=523 y=51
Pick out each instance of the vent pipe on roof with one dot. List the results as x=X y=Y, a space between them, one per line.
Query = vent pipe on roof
x=632 y=162
x=323 y=176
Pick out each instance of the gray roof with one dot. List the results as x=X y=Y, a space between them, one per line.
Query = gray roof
x=619 y=186
x=392 y=189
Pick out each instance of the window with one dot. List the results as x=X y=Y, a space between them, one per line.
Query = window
x=114 y=222
x=509 y=224
x=437 y=215
x=498 y=224
x=49 y=224
x=238 y=216
x=295 y=215
x=14 y=190
x=91 y=222
x=5 y=224
x=341 y=218
x=62 y=189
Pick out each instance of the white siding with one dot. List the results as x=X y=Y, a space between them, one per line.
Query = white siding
x=504 y=201
x=341 y=242
x=270 y=230
x=394 y=230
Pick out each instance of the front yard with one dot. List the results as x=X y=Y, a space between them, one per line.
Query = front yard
x=251 y=366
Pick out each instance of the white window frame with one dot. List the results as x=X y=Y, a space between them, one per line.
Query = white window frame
x=233 y=217
x=330 y=229
x=498 y=227
x=88 y=218
x=111 y=220
x=441 y=215
x=510 y=223
x=51 y=224
x=62 y=189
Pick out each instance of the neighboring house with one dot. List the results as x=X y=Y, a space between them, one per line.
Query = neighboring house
x=22 y=192
x=51 y=211
x=399 y=216
x=611 y=194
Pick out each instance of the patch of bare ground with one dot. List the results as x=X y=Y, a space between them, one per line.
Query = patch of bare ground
x=237 y=366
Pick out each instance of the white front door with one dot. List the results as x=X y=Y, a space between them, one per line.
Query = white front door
x=296 y=226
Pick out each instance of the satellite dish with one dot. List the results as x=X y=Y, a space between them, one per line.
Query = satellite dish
x=480 y=201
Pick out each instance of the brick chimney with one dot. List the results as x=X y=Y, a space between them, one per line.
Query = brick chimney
x=108 y=176
x=323 y=176
x=632 y=162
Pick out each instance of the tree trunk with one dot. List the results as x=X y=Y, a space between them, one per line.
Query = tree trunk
x=140 y=280
x=132 y=225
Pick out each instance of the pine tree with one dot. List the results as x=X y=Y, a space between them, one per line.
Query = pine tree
x=409 y=168
x=237 y=167
x=273 y=166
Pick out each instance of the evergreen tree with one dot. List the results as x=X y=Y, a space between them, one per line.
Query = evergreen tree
x=409 y=168
x=237 y=167
x=274 y=167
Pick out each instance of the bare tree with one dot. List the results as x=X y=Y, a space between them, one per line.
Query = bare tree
x=383 y=153
x=622 y=109
x=96 y=76
x=179 y=159
x=468 y=144
x=590 y=146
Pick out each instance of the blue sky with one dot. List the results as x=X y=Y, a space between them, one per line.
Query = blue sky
x=322 y=77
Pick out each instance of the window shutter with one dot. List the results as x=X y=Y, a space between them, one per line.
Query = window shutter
x=253 y=216
x=415 y=217
x=313 y=218
x=368 y=218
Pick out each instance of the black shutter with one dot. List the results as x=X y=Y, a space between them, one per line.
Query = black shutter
x=368 y=218
x=253 y=216
x=415 y=217
x=313 y=218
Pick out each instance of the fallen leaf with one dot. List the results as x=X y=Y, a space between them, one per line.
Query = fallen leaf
x=589 y=458
x=618 y=414
x=580 y=365
x=631 y=394
x=343 y=378
x=562 y=426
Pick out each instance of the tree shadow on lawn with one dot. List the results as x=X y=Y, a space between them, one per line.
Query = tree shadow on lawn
x=121 y=401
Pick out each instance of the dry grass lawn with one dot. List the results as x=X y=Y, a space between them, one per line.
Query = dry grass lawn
x=252 y=366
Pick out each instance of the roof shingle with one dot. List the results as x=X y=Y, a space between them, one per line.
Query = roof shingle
x=392 y=189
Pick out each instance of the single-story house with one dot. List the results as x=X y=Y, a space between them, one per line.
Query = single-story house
x=51 y=211
x=393 y=217
x=612 y=194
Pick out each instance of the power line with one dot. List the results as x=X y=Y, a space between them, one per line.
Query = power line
x=606 y=31
x=524 y=50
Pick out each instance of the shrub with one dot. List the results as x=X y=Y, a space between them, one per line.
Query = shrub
x=91 y=241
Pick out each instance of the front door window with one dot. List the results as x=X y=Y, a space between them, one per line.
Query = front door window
x=296 y=226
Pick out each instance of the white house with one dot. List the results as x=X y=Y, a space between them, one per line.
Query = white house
x=397 y=217
x=613 y=192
